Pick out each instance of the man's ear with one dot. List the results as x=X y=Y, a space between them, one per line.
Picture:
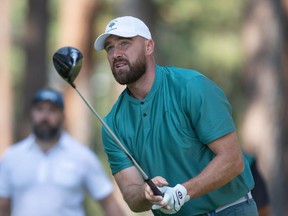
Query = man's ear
x=149 y=47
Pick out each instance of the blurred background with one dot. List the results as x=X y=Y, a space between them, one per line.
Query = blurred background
x=241 y=45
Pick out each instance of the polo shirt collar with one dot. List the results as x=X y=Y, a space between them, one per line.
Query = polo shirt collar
x=157 y=80
x=31 y=144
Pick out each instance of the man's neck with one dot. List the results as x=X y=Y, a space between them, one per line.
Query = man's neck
x=142 y=87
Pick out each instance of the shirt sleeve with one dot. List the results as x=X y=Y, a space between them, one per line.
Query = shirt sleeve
x=208 y=108
x=98 y=184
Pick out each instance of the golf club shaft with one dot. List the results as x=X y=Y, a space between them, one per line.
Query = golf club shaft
x=153 y=187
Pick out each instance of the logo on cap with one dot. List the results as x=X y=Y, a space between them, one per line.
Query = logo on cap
x=112 y=26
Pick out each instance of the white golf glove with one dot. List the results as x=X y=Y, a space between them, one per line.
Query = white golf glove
x=173 y=197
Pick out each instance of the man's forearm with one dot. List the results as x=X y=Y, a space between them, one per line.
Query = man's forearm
x=4 y=212
x=215 y=175
x=227 y=164
x=132 y=188
x=135 y=198
x=5 y=207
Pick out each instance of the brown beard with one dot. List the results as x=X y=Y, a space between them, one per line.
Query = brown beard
x=135 y=71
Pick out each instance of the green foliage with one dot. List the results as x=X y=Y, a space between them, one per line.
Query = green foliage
x=92 y=208
x=206 y=36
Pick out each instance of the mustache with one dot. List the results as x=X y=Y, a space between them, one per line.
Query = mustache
x=43 y=123
x=120 y=59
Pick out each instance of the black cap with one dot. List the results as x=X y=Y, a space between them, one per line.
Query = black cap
x=51 y=95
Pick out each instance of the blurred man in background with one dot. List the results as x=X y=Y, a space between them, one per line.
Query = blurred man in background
x=49 y=172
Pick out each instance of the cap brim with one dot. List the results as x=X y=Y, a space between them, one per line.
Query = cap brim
x=100 y=41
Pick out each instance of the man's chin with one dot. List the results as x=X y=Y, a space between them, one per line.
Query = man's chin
x=47 y=135
x=120 y=78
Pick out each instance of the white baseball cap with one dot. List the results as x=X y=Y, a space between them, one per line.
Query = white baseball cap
x=126 y=26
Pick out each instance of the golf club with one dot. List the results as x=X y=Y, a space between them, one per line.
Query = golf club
x=67 y=62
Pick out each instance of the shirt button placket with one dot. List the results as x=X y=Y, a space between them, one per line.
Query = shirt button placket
x=144 y=113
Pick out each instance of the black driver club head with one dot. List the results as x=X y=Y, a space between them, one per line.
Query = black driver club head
x=67 y=62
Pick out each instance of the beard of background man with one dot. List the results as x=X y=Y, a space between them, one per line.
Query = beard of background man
x=45 y=131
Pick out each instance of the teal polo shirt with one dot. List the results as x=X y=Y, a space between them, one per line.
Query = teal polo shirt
x=167 y=134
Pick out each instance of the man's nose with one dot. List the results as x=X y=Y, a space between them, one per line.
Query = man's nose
x=117 y=52
x=45 y=113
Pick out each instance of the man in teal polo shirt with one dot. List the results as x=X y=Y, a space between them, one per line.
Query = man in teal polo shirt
x=177 y=125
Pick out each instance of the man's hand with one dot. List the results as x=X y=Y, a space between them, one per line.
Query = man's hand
x=174 y=199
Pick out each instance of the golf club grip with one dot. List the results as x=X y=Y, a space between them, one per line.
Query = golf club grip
x=154 y=188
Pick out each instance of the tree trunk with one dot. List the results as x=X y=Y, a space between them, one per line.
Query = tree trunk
x=35 y=74
x=280 y=188
x=265 y=123
x=6 y=108
x=76 y=19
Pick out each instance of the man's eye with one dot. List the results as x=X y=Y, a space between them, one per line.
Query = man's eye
x=124 y=43
x=108 y=48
